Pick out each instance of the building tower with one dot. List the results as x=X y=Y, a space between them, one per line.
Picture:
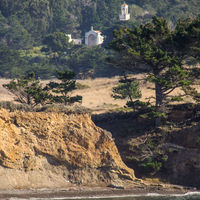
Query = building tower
x=93 y=38
x=74 y=41
x=124 y=16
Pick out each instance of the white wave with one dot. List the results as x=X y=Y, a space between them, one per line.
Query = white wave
x=191 y=193
x=153 y=194
x=114 y=196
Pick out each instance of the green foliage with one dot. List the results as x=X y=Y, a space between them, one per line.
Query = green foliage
x=198 y=140
x=83 y=59
x=176 y=98
x=15 y=35
x=60 y=90
x=27 y=90
x=138 y=105
x=15 y=63
x=8 y=60
x=44 y=70
x=151 y=165
x=57 y=42
x=121 y=110
x=32 y=19
x=127 y=90
x=187 y=37
x=25 y=24
x=170 y=10
x=156 y=114
x=153 y=155
x=158 y=47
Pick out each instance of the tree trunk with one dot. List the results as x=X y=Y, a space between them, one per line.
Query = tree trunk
x=128 y=88
x=57 y=61
x=159 y=104
x=159 y=95
x=28 y=99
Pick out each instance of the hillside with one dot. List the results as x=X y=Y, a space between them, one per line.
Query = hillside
x=58 y=154
x=25 y=23
x=170 y=155
x=55 y=150
x=44 y=144
x=24 y=26
x=30 y=146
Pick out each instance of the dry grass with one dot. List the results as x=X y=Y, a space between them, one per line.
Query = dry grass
x=4 y=94
x=98 y=96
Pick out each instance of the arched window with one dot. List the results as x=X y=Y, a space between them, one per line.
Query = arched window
x=91 y=40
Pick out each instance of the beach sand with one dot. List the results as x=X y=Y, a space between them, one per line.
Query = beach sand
x=82 y=192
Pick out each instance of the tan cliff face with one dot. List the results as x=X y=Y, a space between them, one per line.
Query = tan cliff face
x=39 y=149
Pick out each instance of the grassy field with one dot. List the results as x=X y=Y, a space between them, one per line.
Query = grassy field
x=98 y=94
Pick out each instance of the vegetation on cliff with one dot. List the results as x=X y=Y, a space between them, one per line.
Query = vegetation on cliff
x=33 y=38
x=165 y=53
x=170 y=155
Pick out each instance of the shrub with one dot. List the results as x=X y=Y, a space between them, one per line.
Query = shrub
x=13 y=107
x=151 y=165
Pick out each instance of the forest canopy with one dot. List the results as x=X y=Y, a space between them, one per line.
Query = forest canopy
x=25 y=23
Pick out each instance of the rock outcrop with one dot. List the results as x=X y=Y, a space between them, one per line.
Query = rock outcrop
x=53 y=150
x=183 y=164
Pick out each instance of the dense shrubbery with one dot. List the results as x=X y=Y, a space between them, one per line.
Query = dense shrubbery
x=24 y=25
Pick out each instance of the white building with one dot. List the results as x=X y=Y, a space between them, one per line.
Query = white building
x=124 y=16
x=74 y=41
x=93 y=38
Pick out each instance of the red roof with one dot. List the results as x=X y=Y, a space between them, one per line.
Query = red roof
x=124 y=4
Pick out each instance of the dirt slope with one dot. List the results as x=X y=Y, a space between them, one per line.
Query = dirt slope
x=49 y=150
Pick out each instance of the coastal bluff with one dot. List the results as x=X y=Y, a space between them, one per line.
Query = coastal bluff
x=54 y=150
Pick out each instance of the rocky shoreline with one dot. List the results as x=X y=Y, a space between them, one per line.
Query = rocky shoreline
x=84 y=192
x=57 y=155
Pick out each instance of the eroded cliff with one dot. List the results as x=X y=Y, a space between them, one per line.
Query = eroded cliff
x=48 y=149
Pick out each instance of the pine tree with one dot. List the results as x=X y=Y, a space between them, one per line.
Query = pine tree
x=127 y=88
x=61 y=90
x=155 y=45
x=28 y=90
x=58 y=44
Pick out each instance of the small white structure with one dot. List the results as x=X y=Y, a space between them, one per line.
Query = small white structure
x=124 y=16
x=74 y=41
x=93 y=38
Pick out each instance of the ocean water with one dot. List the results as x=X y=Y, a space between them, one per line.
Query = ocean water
x=191 y=197
x=150 y=196
x=156 y=197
